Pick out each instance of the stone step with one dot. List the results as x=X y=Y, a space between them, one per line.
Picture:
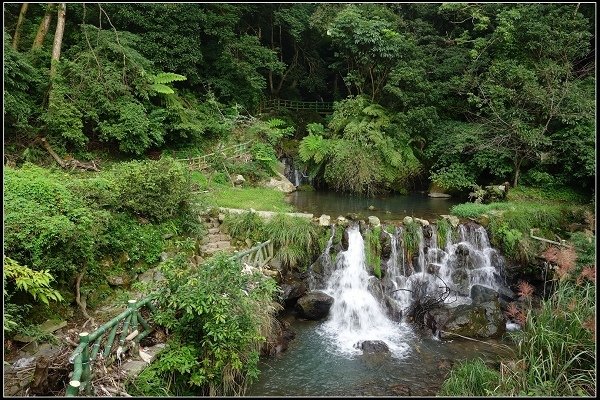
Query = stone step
x=213 y=230
x=215 y=250
x=223 y=237
x=216 y=245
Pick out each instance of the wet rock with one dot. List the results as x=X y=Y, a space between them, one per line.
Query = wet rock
x=279 y=339
x=386 y=245
x=400 y=390
x=352 y=216
x=482 y=294
x=314 y=305
x=427 y=231
x=342 y=221
x=483 y=320
x=462 y=250
x=345 y=240
x=372 y=346
x=393 y=309
x=374 y=287
x=460 y=278
x=292 y=291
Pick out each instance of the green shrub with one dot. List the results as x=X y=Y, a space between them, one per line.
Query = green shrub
x=221 y=317
x=153 y=189
x=471 y=378
x=124 y=234
x=46 y=225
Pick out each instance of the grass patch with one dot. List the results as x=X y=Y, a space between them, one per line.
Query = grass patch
x=471 y=378
x=261 y=199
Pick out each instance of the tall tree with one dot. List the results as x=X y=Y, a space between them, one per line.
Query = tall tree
x=43 y=28
x=58 y=36
x=17 y=35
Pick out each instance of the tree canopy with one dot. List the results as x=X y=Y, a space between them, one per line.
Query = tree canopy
x=451 y=93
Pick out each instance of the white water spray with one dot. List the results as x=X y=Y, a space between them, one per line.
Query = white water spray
x=356 y=314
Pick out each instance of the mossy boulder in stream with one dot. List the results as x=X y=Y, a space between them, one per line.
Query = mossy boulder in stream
x=484 y=320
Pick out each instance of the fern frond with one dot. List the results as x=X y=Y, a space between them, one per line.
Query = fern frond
x=160 y=88
x=168 y=77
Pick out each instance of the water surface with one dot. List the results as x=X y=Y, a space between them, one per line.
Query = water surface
x=393 y=207
x=314 y=367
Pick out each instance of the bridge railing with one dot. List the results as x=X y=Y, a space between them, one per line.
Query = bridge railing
x=88 y=350
x=257 y=256
x=318 y=106
x=201 y=162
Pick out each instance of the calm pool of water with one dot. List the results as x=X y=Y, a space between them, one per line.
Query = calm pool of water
x=312 y=367
x=394 y=207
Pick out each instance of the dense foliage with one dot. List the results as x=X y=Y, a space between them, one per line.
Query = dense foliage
x=219 y=317
x=449 y=94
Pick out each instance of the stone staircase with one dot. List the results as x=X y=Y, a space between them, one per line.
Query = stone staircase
x=216 y=240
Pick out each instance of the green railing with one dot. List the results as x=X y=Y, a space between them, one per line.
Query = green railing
x=89 y=344
x=201 y=162
x=318 y=106
x=257 y=256
x=88 y=349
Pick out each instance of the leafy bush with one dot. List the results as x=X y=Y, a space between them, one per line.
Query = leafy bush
x=35 y=283
x=153 y=189
x=221 y=316
x=455 y=177
x=46 y=225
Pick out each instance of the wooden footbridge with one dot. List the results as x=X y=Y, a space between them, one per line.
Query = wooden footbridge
x=124 y=332
x=321 y=107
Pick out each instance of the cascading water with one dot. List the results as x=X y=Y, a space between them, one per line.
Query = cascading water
x=356 y=315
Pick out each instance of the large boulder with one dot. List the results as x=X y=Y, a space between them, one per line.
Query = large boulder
x=482 y=294
x=372 y=346
x=314 y=305
x=484 y=320
x=292 y=291
x=281 y=183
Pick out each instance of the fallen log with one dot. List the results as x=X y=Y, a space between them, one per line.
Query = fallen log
x=69 y=164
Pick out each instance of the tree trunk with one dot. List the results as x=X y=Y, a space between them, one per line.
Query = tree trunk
x=43 y=29
x=17 y=35
x=518 y=161
x=60 y=29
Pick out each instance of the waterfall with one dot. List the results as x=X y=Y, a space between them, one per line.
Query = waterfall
x=356 y=314
x=361 y=302
x=322 y=267
x=460 y=265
